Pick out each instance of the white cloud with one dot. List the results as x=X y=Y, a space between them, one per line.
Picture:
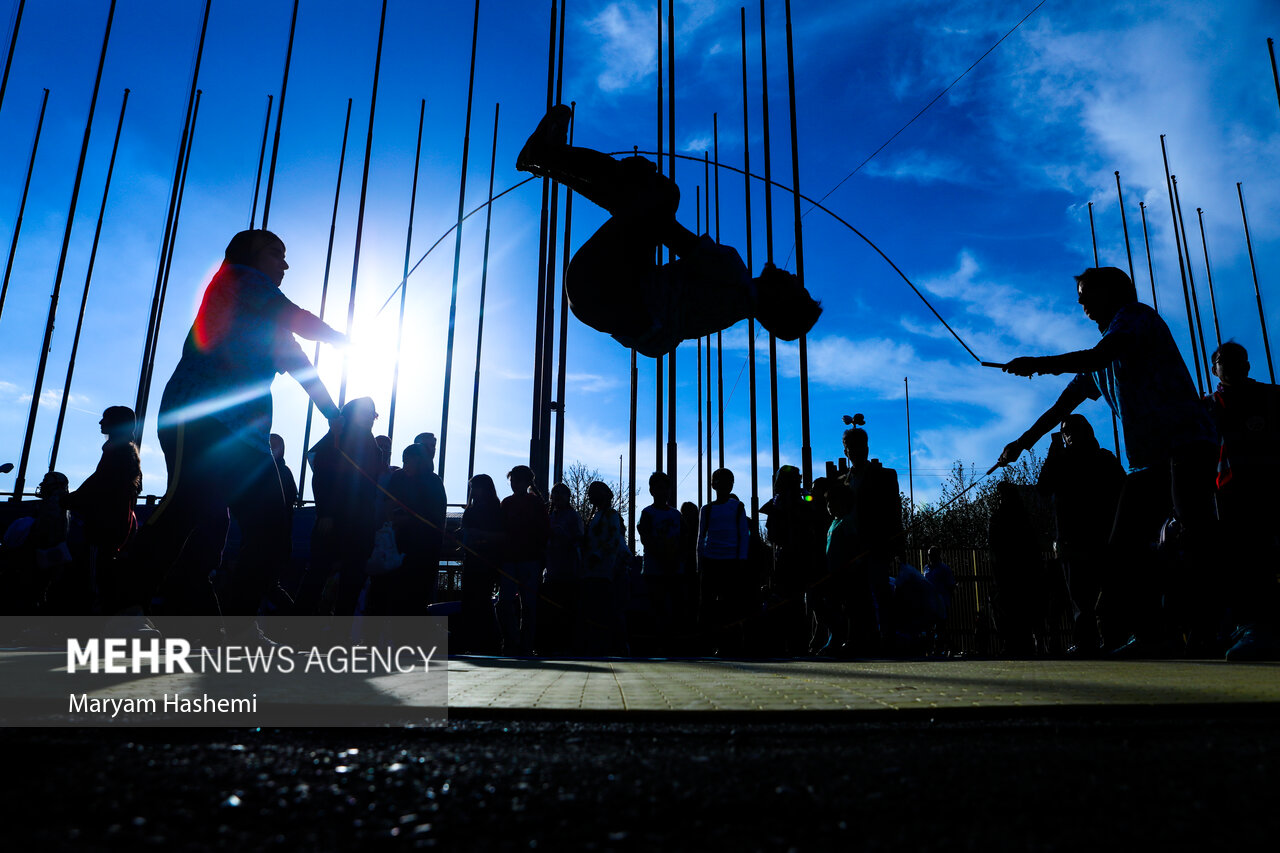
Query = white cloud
x=627 y=44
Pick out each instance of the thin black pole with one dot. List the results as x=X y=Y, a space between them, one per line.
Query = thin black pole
x=13 y=43
x=84 y=296
x=275 y=142
x=671 y=173
x=1191 y=281
x=324 y=295
x=153 y=320
x=484 y=282
x=1208 y=271
x=1124 y=221
x=1182 y=267
x=911 y=480
x=768 y=227
x=364 y=191
x=1093 y=235
x=1151 y=270
x=751 y=323
x=22 y=205
x=715 y=141
x=1271 y=49
x=806 y=452
x=404 y=278
x=546 y=230
x=706 y=180
x=542 y=470
x=177 y=216
x=657 y=362
x=1248 y=240
x=262 y=154
x=20 y=480
x=631 y=458
x=562 y=360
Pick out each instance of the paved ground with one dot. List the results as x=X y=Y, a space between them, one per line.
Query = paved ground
x=694 y=755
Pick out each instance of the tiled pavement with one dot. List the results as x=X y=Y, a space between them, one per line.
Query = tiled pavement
x=495 y=687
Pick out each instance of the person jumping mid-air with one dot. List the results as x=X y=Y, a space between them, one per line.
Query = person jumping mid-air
x=613 y=284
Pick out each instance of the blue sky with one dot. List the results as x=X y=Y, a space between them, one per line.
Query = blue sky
x=982 y=202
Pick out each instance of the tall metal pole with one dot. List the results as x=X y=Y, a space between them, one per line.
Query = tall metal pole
x=657 y=362
x=715 y=142
x=364 y=191
x=1182 y=267
x=21 y=478
x=1093 y=235
x=542 y=470
x=153 y=321
x=672 y=467
x=484 y=282
x=262 y=153
x=404 y=278
x=1124 y=221
x=324 y=295
x=546 y=229
x=1248 y=240
x=275 y=142
x=1208 y=271
x=911 y=480
x=1151 y=270
x=84 y=297
x=751 y=323
x=13 y=43
x=631 y=458
x=806 y=452
x=768 y=229
x=22 y=205
x=706 y=180
x=561 y=361
x=1271 y=49
x=1191 y=281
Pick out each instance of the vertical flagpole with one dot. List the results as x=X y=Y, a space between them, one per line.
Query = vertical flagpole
x=22 y=205
x=404 y=278
x=806 y=452
x=715 y=141
x=657 y=362
x=20 y=479
x=1191 y=280
x=1271 y=49
x=768 y=230
x=13 y=43
x=364 y=192
x=1208 y=271
x=84 y=296
x=546 y=231
x=1182 y=267
x=324 y=295
x=561 y=362
x=911 y=479
x=262 y=154
x=166 y=245
x=484 y=282
x=706 y=195
x=1248 y=240
x=1151 y=270
x=751 y=323
x=275 y=142
x=1124 y=221
x=671 y=173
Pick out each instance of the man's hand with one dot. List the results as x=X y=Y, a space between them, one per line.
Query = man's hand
x=1011 y=452
x=1025 y=366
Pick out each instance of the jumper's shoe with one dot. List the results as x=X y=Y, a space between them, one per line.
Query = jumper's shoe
x=552 y=133
x=1253 y=644
x=783 y=305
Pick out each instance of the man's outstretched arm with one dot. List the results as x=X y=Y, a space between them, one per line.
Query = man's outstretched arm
x=1081 y=361
x=1071 y=397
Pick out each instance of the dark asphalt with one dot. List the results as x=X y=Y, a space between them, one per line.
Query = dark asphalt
x=1160 y=780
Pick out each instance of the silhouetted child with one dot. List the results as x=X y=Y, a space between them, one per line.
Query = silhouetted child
x=659 y=530
x=728 y=590
x=559 y=607
x=416 y=504
x=613 y=285
x=525 y=529
x=790 y=522
x=601 y=630
x=481 y=562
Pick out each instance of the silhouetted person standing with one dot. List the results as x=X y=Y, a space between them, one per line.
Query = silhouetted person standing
x=728 y=589
x=1018 y=571
x=215 y=419
x=1168 y=438
x=797 y=564
x=105 y=502
x=613 y=285
x=481 y=562
x=1084 y=482
x=659 y=530
x=605 y=557
x=417 y=506
x=525 y=530
x=1247 y=415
